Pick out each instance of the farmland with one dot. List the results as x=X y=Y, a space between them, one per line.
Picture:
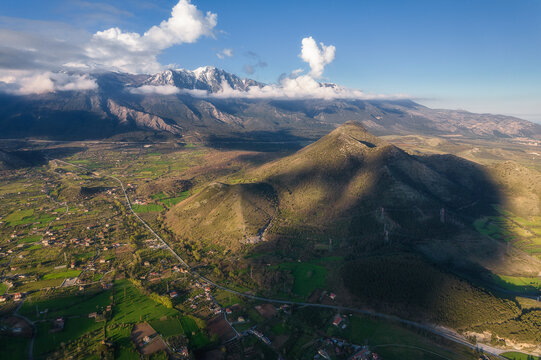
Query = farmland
x=74 y=251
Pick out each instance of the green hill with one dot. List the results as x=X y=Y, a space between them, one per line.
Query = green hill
x=226 y=215
x=336 y=187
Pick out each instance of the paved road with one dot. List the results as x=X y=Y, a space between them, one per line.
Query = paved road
x=438 y=330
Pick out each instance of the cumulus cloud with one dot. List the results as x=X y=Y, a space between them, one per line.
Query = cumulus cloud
x=136 y=53
x=317 y=56
x=35 y=54
x=289 y=88
x=296 y=85
x=299 y=87
x=33 y=82
x=225 y=53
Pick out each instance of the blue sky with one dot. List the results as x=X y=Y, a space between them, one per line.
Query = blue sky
x=483 y=56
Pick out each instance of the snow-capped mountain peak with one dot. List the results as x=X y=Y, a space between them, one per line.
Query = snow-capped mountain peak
x=206 y=78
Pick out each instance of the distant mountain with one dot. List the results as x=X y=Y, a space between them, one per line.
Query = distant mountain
x=181 y=103
x=204 y=78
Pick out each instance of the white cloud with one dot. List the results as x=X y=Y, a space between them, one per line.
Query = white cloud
x=299 y=87
x=225 y=53
x=316 y=56
x=155 y=89
x=65 y=82
x=292 y=86
x=167 y=90
x=22 y=82
x=34 y=54
x=135 y=53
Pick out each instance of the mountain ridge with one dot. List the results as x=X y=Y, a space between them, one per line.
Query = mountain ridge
x=187 y=109
x=331 y=186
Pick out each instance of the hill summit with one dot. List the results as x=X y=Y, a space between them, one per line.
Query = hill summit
x=349 y=184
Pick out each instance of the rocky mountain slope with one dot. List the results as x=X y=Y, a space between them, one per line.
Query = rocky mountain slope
x=186 y=103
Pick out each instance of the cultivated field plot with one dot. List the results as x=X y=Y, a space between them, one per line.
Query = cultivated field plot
x=524 y=233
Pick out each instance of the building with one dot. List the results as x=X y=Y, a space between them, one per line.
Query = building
x=57 y=325
x=337 y=320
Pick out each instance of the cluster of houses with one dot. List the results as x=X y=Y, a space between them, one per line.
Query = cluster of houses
x=203 y=300
x=15 y=297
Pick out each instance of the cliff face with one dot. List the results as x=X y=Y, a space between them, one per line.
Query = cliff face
x=140 y=119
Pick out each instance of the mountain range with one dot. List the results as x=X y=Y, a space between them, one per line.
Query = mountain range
x=192 y=104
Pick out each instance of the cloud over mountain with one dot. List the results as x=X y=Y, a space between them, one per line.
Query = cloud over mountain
x=317 y=56
x=34 y=82
x=34 y=54
x=135 y=53
x=41 y=61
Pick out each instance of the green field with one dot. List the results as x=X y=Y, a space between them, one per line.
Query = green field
x=518 y=283
x=193 y=331
x=40 y=284
x=523 y=233
x=512 y=355
x=392 y=341
x=74 y=328
x=85 y=255
x=62 y=275
x=29 y=239
x=132 y=306
x=308 y=277
x=169 y=327
x=225 y=298
x=159 y=196
x=24 y=217
x=19 y=215
x=16 y=347
x=74 y=305
x=3 y=288
x=147 y=208
x=175 y=200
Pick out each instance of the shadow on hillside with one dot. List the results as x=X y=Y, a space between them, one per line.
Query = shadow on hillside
x=19 y=159
x=414 y=203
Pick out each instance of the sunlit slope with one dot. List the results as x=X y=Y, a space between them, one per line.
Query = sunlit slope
x=227 y=215
x=336 y=187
